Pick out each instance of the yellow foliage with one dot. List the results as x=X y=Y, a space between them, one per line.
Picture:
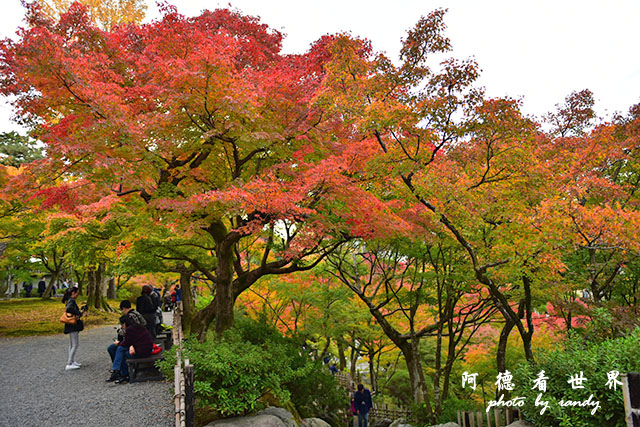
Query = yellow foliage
x=105 y=13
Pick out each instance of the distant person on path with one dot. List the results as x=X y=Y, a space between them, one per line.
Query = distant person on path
x=137 y=342
x=146 y=306
x=42 y=286
x=69 y=299
x=28 y=287
x=178 y=293
x=155 y=296
x=362 y=403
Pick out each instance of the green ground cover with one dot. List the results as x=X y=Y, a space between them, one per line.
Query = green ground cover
x=22 y=317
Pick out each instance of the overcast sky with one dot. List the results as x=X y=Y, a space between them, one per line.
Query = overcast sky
x=539 y=50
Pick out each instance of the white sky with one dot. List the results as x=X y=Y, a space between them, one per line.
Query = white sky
x=539 y=50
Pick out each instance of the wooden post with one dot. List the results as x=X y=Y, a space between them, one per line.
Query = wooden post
x=627 y=400
x=189 y=395
x=498 y=418
x=459 y=418
x=488 y=418
x=176 y=395
x=472 y=419
x=508 y=415
x=479 y=417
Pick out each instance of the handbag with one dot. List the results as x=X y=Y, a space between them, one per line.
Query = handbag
x=68 y=318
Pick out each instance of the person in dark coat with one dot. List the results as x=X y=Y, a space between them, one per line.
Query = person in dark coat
x=42 y=286
x=73 y=331
x=146 y=305
x=28 y=287
x=362 y=403
x=137 y=342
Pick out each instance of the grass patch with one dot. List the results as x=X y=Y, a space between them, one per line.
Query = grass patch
x=22 y=317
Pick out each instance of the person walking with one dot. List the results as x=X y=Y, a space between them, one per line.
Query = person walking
x=362 y=403
x=73 y=331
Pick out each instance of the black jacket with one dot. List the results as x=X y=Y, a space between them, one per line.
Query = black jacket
x=72 y=307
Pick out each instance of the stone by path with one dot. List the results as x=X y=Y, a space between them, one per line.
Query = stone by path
x=35 y=389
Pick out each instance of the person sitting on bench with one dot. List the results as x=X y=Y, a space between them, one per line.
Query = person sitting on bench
x=137 y=343
x=136 y=317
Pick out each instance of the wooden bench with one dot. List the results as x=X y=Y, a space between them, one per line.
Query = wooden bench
x=146 y=365
x=164 y=339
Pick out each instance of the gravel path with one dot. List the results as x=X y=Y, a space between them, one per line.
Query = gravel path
x=35 y=390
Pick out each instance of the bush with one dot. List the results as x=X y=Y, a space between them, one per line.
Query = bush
x=595 y=360
x=123 y=294
x=251 y=364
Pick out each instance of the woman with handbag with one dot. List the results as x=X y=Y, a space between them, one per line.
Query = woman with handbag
x=72 y=328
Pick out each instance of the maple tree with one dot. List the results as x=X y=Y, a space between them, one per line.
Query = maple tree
x=105 y=13
x=220 y=136
x=412 y=293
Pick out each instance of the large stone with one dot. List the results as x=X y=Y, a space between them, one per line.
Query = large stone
x=384 y=422
x=314 y=422
x=400 y=423
x=449 y=424
x=285 y=416
x=521 y=423
x=257 y=421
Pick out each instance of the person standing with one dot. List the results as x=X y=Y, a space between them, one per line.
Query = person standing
x=362 y=403
x=146 y=306
x=73 y=331
x=42 y=286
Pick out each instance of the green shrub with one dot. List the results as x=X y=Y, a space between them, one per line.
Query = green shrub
x=595 y=360
x=251 y=364
x=123 y=294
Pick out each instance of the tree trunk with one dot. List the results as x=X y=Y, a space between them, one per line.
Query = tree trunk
x=409 y=350
x=372 y=370
x=187 y=300
x=48 y=293
x=224 y=299
x=202 y=319
x=501 y=353
x=354 y=362
x=111 y=288
x=94 y=287
x=341 y=355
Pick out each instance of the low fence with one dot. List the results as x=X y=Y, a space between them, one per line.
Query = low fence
x=378 y=411
x=500 y=418
x=390 y=412
x=631 y=396
x=183 y=397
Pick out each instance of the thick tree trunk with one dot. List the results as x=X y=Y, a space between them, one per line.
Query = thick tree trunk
x=111 y=288
x=187 y=300
x=411 y=355
x=341 y=355
x=94 y=287
x=501 y=353
x=225 y=299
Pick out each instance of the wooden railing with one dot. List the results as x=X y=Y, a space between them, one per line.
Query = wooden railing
x=183 y=397
x=500 y=417
x=378 y=411
x=390 y=412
